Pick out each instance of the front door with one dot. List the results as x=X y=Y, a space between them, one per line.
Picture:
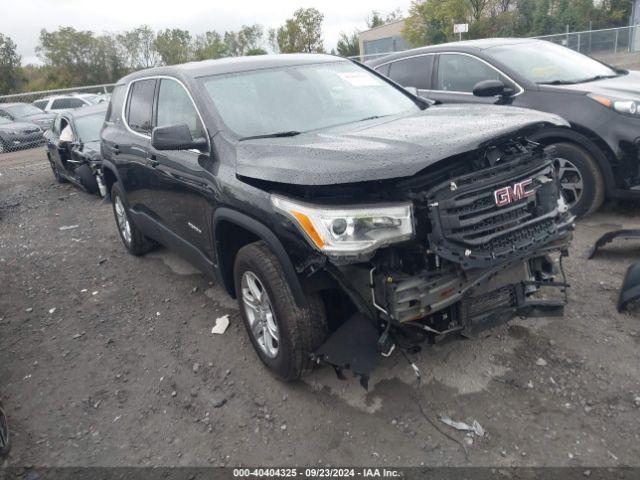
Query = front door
x=184 y=194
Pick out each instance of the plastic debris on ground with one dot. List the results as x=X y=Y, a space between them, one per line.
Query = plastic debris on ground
x=68 y=227
x=475 y=427
x=222 y=323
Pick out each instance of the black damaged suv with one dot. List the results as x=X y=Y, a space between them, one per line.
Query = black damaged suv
x=348 y=216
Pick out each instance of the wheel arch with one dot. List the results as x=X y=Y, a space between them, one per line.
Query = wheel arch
x=110 y=174
x=586 y=139
x=233 y=230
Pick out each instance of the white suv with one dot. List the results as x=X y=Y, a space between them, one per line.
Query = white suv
x=67 y=102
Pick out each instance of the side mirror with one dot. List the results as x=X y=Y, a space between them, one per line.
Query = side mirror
x=412 y=90
x=489 y=88
x=175 y=137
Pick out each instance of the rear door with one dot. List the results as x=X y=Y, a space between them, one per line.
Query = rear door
x=456 y=74
x=130 y=149
x=183 y=197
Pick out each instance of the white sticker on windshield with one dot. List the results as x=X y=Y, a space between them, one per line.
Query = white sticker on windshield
x=360 y=79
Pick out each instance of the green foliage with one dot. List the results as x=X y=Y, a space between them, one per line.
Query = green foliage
x=10 y=75
x=302 y=33
x=348 y=45
x=375 y=19
x=138 y=46
x=432 y=22
x=173 y=46
x=256 y=51
x=209 y=45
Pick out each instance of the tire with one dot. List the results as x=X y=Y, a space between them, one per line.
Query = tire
x=300 y=330
x=133 y=239
x=3 y=149
x=581 y=180
x=87 y=178
x=5 y=443
x=56 y=173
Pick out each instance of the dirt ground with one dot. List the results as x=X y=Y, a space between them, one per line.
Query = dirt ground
x=108 y=360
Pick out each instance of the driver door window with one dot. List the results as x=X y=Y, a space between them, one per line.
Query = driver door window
x=460 y=73
x=175 y=108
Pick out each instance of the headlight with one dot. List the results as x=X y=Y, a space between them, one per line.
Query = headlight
x=625 y=106
x=349 y=230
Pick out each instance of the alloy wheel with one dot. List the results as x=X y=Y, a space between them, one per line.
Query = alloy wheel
x=571 y=182
x=259 y=313
x=123 y=221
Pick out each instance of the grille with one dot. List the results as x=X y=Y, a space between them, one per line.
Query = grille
x=469 y=227
x=502 y=297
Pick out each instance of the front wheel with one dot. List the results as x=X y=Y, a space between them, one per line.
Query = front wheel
x=581 y=181
x=56 y=172
x=282 y=333
x=5 y=445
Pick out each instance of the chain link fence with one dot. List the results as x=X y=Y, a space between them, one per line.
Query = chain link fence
x=24 y=117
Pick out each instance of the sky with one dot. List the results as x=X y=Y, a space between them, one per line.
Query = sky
x=22 y=20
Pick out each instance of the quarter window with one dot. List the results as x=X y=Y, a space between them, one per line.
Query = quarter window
x=140 y=106
x=176 y=108
x=41 y=104
x=412 y=72
x=460 y=73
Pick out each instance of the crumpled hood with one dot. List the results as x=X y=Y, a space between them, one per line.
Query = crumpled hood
x=91 y=151
x=384 y=148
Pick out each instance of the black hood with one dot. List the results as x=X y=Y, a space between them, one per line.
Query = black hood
x=19 y=127
x=626 y=86
x=385 y=148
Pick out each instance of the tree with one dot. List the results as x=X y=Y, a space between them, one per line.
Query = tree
x=374 y=19
x=272 y=39
x=209 y=45
x=478 y=8
x=348 y=45
x=174 y=46
x=432 y=21
x=10 y=75
x=302 y=33
x=249 y=37
x=139 y=47
x=256 y=51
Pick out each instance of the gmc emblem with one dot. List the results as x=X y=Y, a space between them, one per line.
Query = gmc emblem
x=506 y=195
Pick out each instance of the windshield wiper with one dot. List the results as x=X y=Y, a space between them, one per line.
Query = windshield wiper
x=558 y=82
x=291 y=133
x=597 y=77
x=573 y=82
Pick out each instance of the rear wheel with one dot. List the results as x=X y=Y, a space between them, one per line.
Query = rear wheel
x=581 y=181
x=282 y=333
x=134 y=240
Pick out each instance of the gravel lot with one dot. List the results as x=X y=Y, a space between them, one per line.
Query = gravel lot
x=107 y=359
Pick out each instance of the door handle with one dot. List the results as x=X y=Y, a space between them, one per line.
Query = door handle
x=116 y=150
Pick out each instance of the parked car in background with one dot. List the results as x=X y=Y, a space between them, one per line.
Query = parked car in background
x=73 y=147
x=69 y=101
x=335 y=205
x=598 y=157
x=16 y=135
x=24 y=112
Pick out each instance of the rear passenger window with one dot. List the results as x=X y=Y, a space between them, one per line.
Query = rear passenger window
x=412 y=72
x=175 y=108
x=140 y=106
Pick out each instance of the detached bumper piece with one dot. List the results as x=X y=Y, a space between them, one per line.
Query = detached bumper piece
x=630 y=290
x=353 y=346
x=611 y=236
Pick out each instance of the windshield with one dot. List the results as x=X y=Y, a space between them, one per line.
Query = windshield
x=546 y=62
x=301 y=98
x=22 y=110
x=88 y=127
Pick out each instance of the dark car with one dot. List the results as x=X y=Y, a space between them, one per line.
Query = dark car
x=598 y=157
x=25 y=112
x=16 y=135
x=76 y=158
x=346 y=215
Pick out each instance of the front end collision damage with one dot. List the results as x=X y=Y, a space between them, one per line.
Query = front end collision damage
x=474 y=261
